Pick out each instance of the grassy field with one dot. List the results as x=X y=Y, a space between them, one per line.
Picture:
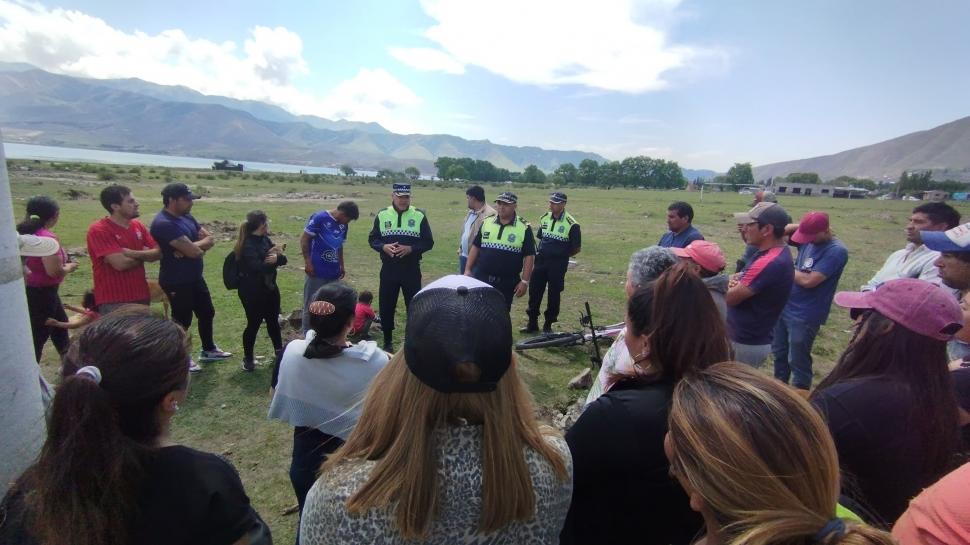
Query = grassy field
x=226 y=409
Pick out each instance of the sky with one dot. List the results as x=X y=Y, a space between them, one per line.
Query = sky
x=705 y=83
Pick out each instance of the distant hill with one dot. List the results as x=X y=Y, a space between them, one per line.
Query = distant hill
x=945 y=150
x=692 y=174
x=132 y=115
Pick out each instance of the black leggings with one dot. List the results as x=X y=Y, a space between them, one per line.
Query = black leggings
x=261 y=304
x=44 y=303
x=310 y=449
x=187 y=299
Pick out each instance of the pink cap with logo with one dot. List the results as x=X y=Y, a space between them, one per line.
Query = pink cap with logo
x=812 y=224
x=705 y=253
x=915 y=304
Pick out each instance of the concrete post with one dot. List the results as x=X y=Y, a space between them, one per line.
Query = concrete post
x=22 y=425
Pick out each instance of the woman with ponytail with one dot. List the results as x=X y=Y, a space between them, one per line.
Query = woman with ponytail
x=622 y=492
x=321 y=383
x=43 y=277
x=758 y=462
x=109 y=472
x=258 y=260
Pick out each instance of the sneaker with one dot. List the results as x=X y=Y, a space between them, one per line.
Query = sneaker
x=547 y=327
x=532 y=327
x=194 y=367
x=248 y=365
x=389 y=348
x=214 y=355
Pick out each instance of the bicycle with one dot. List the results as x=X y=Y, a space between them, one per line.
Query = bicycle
x=574 y=338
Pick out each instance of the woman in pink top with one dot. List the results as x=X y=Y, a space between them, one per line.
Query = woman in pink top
x=43 y=276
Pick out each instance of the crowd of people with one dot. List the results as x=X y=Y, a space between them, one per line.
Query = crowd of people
x=681 y=439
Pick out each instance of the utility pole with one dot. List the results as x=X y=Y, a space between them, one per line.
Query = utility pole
x=22 y=424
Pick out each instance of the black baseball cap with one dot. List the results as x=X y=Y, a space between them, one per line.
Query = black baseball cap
x=557 y=197
x=178 y=190
x=458 y=320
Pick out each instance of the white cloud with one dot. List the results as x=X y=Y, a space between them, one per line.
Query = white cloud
x=74 y=43
x=427 y=59
x=610 y=45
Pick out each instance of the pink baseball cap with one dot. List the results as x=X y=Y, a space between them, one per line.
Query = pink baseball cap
x=705 y=253
x=812 y=224
x=915 y=304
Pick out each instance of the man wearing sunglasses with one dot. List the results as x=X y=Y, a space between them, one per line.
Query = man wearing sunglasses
x=757 y=295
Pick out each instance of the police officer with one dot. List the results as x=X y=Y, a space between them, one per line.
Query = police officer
x=503 y=248
x=559 y=239
x=401 y=234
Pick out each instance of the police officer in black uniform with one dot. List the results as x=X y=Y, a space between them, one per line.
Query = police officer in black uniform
x=559 y=239
x=401 y=233
x=504 y=247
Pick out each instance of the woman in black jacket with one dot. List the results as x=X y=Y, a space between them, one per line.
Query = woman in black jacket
x=258 y=260
x=622 y=488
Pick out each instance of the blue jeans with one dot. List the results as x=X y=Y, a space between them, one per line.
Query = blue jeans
x=792 y=348
x=462 y=260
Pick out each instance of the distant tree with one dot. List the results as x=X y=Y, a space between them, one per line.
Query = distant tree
x=412 y=172
x=567 y=174
x=443 y=164
x=533 y=175
x=386 y=173
x=456 y=172
x=803 y=178
x=588 y=171
x=610 y=174
x=740 y=174
x=347 y=171
x=669 y=175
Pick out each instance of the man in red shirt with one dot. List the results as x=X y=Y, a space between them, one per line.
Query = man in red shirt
x=119 y=246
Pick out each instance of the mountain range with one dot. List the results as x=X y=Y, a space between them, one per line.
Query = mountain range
x=945 y=150
x=38 y=107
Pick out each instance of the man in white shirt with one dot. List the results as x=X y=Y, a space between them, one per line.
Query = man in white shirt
x=916 y=260
x=478 y=210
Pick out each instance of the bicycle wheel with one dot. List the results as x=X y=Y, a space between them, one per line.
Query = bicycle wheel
x=550 y=340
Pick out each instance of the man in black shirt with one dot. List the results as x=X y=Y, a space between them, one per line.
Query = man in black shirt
x=559 y=239
x=401 y=234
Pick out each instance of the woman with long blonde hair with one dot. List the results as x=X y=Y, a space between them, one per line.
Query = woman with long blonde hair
x=758 y=462
x=447 y=448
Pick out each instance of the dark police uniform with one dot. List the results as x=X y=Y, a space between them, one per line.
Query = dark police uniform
x=501 y=251
x=559 y=238
x=399 y=274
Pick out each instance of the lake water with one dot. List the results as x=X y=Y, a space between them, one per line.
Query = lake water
x=51 y=153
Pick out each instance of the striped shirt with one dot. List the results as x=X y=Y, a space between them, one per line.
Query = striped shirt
x=112 y=286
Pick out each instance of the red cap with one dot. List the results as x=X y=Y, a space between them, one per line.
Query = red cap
x=915 y=304
x=812 y=224
x=705 y=253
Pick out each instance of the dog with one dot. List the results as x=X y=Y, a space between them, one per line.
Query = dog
x=158 y=295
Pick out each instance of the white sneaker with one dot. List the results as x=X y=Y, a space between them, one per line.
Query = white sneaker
x=194 y=367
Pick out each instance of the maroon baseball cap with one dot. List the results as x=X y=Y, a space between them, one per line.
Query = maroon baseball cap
x=812 y=224
x=915 y=304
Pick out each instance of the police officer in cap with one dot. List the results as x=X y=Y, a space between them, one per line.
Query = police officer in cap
x=559 y=239
x=504 y=247
x=400 y=235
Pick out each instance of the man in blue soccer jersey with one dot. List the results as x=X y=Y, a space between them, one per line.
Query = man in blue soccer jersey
x=322 y=244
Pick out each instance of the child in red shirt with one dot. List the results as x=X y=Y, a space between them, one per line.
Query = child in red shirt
x=364 y=316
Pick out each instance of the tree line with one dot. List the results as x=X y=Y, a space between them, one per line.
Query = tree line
x=639 y=171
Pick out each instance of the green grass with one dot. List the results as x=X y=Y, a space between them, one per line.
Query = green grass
x=226 y=409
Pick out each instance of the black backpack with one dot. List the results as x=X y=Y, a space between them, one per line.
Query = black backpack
x=230 y=272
